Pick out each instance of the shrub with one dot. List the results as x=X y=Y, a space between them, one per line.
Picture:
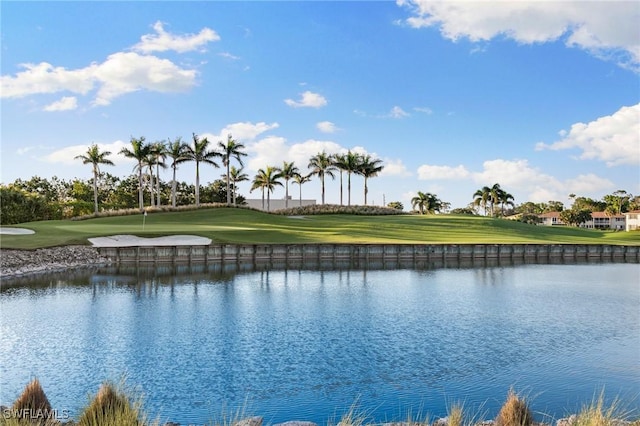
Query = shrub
x=598 y=414
x=337 y=209
x=33 y=404
x=514 y=412
x=112 y=407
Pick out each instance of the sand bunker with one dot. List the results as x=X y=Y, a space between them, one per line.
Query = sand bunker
x=133 y=241
x=16 y=231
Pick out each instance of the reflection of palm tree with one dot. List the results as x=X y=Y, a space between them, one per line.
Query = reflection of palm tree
x=177 y=151
x=200 y=153
x=426 y=202
x=267 y=179
x=369 y=168
x=231 y=149
x=139 y=152
x=237 y=175
x=300 y=179
x=322 y=165
x=288 y=171
x=94 y=157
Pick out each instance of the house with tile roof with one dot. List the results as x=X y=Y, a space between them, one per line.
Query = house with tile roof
x=632 y=220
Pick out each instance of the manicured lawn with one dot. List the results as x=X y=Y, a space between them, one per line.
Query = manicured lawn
x=247 y=226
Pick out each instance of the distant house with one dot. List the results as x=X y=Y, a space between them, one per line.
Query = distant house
x=601 y=220
x=550 y=219
x=632 y=220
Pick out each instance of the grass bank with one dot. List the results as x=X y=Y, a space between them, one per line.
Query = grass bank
x=230 y=225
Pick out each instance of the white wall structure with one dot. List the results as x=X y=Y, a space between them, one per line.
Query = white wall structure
x=277 y=204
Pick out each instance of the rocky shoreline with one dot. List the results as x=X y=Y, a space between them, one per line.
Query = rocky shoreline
x=15 y=263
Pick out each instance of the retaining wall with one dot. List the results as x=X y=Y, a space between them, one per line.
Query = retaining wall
x=301 y=252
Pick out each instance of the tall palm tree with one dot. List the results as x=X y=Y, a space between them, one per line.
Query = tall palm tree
x=139 y=151
x=369 y=168
x=200 y=153
x=288 y=171
x=340 y=162
x=237 y=175
x=426 y=202
x=177 y=152
x=505 y=198
x=321 y=165
x=267 y=179
x=482 y=197
x=353 y=161
x=94 y=157
x=159 y=152
x=229 y=150
x=300 y=179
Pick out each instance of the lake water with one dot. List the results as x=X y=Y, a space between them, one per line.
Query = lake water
x=306 y=344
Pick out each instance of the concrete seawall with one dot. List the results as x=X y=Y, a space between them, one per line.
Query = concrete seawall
x=302 y=252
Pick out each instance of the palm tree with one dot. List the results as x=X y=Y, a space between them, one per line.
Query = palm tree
x=369 y=168
x=267 y=179
x=94 y=157
x=159 y=152
x=426 y=202
x=288 y=171
x=322 y=165
x=200 y=153
x=505 y=198
x=139 y=152
x=352 y=165
x=231 y=149
x=237 y=175
x=482 y=197
x=177 y=151
x=340 y=162
x=300 y=179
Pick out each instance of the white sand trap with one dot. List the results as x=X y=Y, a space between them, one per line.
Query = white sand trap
x=16 y=231
x=296 y=217
x=133 y=241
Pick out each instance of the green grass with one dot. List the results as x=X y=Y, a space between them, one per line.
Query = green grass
x=229 y=225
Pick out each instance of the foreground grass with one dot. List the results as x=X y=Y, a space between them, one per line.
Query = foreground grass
x=229 y=225
x=119 y=405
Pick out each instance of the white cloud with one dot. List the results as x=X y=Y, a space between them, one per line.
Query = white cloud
x=270 y=151
x=45 y=78
x=67 y=154
x=128 y=72
x=518 y=175
x=119 y=74
x=605 y=29
x=229 y=56
x=241 y=131
x=162 y=41
x=428 y=172
x=326 y=127
x=307 y=99
x=394 y=168
x=614 y=139
x=65 y=104
x=588 y=184
x=423 y=110
x=397 y=112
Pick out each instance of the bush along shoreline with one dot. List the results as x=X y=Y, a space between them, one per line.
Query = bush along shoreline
x=117 y=405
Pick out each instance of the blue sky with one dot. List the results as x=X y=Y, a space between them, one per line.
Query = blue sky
x=543 y=98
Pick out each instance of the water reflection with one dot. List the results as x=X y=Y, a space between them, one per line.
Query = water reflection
x=306 y=340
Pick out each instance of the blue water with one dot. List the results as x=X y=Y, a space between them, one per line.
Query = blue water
x=308 y=344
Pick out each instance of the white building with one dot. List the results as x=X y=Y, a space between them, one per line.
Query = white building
x=632 y=220
x=277 y=204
